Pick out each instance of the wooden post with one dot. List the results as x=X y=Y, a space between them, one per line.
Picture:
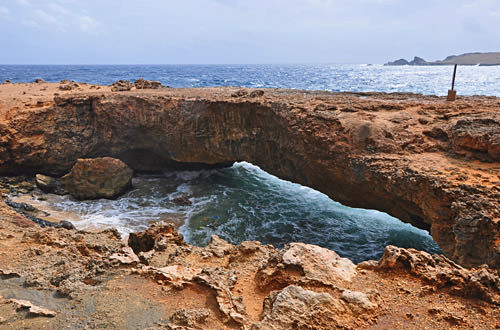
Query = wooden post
x=452 y=93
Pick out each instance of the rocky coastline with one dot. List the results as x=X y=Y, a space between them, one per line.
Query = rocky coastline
x=427 y=161
x=481 y=59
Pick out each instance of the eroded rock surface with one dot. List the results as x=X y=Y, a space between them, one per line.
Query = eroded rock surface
x=426 y=161
x=104 y=177
x=107 y=285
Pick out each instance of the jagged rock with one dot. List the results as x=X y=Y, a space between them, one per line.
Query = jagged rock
x=182 y=201
x=291 y=308
x=191 y=318
x=218 y=246
x=222 y=281
x=358 y=301
x=174 y=274
x=157 y=234
x=482 y=283
x=480 y=137
x=371 y=152
x=121 y=86
x=145 y=84
x=93 y=178
x=126 y=256
x=319 y=264
x=32 y=309
x=49 y=184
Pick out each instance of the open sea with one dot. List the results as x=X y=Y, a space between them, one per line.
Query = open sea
x=243 y=202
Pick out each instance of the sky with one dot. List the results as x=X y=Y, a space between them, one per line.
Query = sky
x=243 y=31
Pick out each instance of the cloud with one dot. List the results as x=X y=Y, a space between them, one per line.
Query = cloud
x=4 y=11
x=60 y=15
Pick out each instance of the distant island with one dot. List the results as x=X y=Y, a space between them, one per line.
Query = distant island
x=482 y=59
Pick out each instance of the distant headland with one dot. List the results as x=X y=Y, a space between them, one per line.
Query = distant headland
x=482 y=59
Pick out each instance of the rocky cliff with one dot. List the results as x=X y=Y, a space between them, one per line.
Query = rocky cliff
x=426 y=161
x=482 y=59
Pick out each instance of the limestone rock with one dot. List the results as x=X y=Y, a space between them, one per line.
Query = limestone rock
x=147 y=84
x=319 y=264
x=478 y=137
x=94 y=178
x=155 y=237
x=121 y=86
x=358 y=301
x=482 y=283
x=32 y=309
x=291 y=308
x=191 y=318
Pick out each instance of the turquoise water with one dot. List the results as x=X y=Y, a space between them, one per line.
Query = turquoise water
x=245 y=203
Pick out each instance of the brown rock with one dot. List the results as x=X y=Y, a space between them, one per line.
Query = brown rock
x=319 y=264
x=482 y=283
x=98 y=178
x=291 y=308
x=121 y=86
x=147 y=84
x=154 y=238
x=372 y=155
x=32 y=309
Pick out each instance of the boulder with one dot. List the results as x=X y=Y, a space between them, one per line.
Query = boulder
x=121 y=86
x=147 y=84
x=98 y=178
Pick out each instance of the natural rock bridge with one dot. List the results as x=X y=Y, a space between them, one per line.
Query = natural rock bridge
x=428 y=162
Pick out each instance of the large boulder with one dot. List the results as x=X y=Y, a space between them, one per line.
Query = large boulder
x=98 y=178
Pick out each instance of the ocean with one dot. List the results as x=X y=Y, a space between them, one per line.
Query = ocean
x=243 y=202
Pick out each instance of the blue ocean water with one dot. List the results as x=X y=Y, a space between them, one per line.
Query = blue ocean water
x=436 y=80
x=243 y=202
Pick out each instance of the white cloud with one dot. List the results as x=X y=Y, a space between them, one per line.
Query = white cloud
x=23 y=2
x=4 y=11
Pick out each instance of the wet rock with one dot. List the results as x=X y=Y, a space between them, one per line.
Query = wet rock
x=121 y=86
x=290 y=308
x=147 y=84
x=66 y=225
x=98 y=178
x=182 y=201
x=49 y=184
